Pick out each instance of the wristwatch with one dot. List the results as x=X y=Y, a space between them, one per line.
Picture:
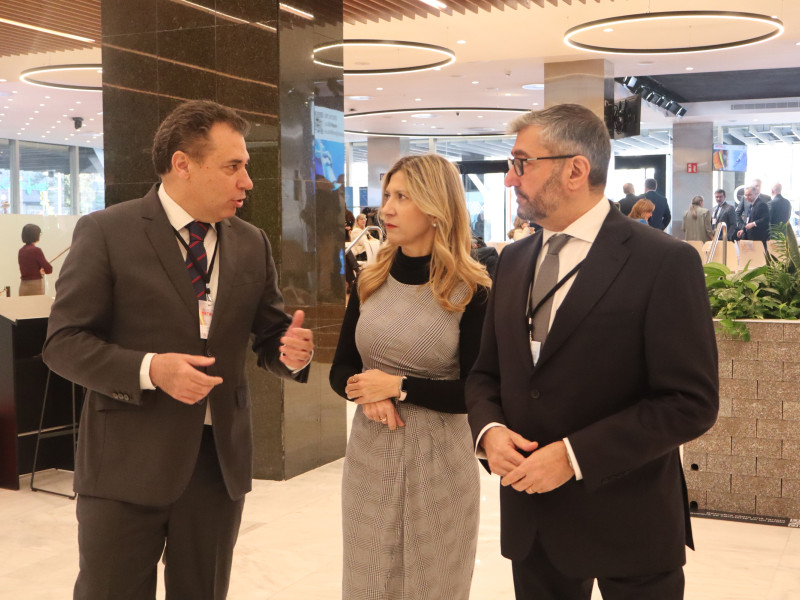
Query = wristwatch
x=401 y=395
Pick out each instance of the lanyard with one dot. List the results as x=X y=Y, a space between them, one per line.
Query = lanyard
x=206 y=275
x=531 y=312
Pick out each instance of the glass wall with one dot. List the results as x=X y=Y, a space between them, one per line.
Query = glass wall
x=52 y=179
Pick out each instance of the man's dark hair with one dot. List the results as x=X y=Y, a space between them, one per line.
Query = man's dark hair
x=31 y=233
x=720 y=191
x=187 y=127
x=650 y=184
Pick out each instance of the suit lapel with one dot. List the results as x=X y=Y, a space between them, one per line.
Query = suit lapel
x=159 y=231
x=606 y=258
x=227 y=263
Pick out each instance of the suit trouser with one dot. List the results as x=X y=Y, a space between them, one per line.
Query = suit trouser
x=535 y=578
x=121 y=543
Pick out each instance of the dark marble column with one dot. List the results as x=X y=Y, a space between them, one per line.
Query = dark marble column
x=255 y=57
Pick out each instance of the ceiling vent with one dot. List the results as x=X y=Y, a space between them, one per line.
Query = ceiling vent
x=794 y=104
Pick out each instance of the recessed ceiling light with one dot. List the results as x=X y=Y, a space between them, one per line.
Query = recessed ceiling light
x=41 y=105
x=357 y=98
x=690 y=68
x=533 y=86
x=379 y=89
x=417 y=99
x=608 y=30
x=14 y=92
x=78 y=102
x=423 y=116
x=475 y=82
x=480 y=116
x=3 y=80
x=461 y=42
x=404 y=120
x=536 y=104
x=508 y=94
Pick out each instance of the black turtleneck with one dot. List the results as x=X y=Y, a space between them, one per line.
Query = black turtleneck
x=442 y=395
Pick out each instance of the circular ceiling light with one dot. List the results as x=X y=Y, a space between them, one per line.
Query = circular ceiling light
x=774 y=25
x=73 y=78
x=319 y=52
x=453 y=125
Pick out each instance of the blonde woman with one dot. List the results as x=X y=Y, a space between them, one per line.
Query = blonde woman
x=410 y=489
x=697 y=222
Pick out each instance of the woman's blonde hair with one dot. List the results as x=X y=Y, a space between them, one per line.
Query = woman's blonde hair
x=642 y=206
x=434 y=186
x=696 y=201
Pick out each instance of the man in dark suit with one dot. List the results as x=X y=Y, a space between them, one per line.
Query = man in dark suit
x=626 y=204
x=780 y=209
x=583 y=416
x=756 y=224
x=724 y=213
x=661 y=214
x=155 y=307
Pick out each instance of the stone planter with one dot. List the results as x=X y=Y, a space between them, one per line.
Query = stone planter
x=749 y=462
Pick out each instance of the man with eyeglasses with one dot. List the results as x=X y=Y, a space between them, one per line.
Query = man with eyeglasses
x=597 y=361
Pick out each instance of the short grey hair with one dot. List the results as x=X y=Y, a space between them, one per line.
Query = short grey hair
x=572 y=129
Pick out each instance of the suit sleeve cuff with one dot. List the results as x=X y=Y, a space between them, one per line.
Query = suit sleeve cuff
x=310 y=358
x=144 y=372
x=573 y=462
x=479 y=452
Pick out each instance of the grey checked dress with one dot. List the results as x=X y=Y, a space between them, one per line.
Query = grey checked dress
x=410 y=497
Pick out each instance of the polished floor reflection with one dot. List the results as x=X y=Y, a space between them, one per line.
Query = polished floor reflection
x=290 y=547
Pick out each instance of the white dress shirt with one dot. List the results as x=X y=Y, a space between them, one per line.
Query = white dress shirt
x=179 y=219
x=582 y=232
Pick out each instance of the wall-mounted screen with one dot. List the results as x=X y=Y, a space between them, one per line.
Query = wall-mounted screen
x=729 y=158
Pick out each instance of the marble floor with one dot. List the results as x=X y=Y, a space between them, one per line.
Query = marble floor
x=289 y=547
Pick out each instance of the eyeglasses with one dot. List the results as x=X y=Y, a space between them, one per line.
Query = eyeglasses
x=518 y=164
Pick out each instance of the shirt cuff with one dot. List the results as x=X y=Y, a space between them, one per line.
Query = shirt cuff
x=144 y=372
x=573 y=462
x=310 y=358
x=479 y=451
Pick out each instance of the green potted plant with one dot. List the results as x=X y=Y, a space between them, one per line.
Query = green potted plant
x=771 y=291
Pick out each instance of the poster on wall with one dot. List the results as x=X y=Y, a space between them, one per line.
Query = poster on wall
x=329 y=144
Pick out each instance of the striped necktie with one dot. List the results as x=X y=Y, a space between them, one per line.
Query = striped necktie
x=197 y=233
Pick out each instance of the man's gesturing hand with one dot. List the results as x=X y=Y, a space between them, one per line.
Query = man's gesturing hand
x=297 y=343
x=177 y=375
x=501 y=446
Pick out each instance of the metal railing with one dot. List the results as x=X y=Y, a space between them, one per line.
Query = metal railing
x=721 y=226
x=364 y=232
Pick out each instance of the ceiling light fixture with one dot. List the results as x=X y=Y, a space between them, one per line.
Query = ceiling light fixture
x=26 y=77
x=441 y=50
x=435 y=4
x=45 y=30
x=296 y=11
x=433 y=112
x=776 y=24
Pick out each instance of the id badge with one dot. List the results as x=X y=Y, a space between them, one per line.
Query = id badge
x=536 y=347
x=206 y=308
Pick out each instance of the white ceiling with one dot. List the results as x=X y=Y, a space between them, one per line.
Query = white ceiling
x=506 y=49
x=503 y=50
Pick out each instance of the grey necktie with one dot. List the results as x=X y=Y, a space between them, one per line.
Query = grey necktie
x=546 y=279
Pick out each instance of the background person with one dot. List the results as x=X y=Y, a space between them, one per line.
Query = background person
x=32 y=263
x=410 y=488
x=661 y=215
x=582 y=414
x=696 y=223
x=156 y=306
x=642 y=211
x=724 y=213
x=756 y=220
x=626 y=203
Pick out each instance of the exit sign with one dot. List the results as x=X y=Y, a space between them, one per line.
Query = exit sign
x=691 y=167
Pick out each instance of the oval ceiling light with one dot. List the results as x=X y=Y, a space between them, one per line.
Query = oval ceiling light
x=450 y=56
x=435 y=113
x=27 y=77
x=775 y=24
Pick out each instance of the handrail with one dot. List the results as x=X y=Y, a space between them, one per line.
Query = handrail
x=364 y=232
x=721 y=226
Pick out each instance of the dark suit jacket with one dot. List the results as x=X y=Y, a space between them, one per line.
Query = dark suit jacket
x=661 y=215
x=726 y=214
x=123 y=292
x=628 y=372
x=780 y=210
x=626 y=204
x=759 y=213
